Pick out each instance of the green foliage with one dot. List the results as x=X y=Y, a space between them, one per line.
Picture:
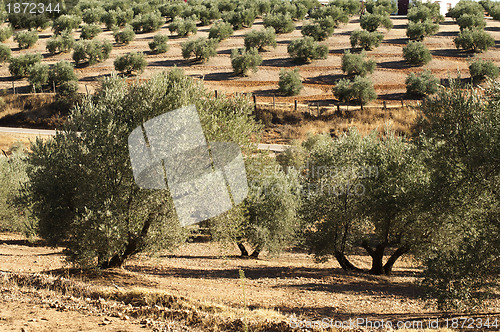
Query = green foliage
x=381 y=6
x=240 y=18
x=320 y=29
x=416 y=53
x=421 y=85
x=466 y=7
x=91 y=51
x=243 y=60
x=419 y=30
x=282 y=23
x=296 y=10
x=65 y=22
x=29 y=21
x=475 y=40
x=20 y=65
x=495 y=12
x=60 y=43
x=89 y=31
x=92 y=15
x=131 y=62
x=12 y=179
x=290 y=82
x=220 y=31
x=425 y=11
x=147 y=23
x=371 y=22
x=260 y=39
x=182 y=27
x=357 y=64
x=480 y=69
x=467 y=21
x=125 y=36
x=350 y=7
x=307 y=49
x=5 y=33
x=110 y=218
x=159 y=44
x=26 y=39
x=366 y=40
x=208 y=14
x=337 y=14
x=38 y=75
x=60 y=73
x=359 y=90
x=4 y=53
x=172 y=10
x=461 y=128
x=201 y=48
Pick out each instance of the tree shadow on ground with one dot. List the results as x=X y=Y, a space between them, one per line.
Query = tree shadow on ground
x=452 y=53
x=493 y=29
x=324 y=79
x=170 y=63
x=24 y=242
x=396 y=96
x=220 y=76
x=279 y=62
x=446 y=34
x=396 y=64
x=400 y=26
x=93 y=78
x=401 y=41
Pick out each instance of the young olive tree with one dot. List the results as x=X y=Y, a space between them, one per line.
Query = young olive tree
x=131 y=62
x=419 y=30
x=359 y=90
x=4 y=53
x=357 y=64
x=20 y=65
x=320 y=29
x=159 y=44
x=244 y=60
x=416 y=54
x=91 y=51
x=481 y=69
x=366 y=40
x=125 y=36
x=307 y=49
x=26 y=39
x=89 y=31
x=371 y=22
x=474 y=40
x=421 y=85
x=282 y=23
x=220 y=31
x=201 y=48
x=290 y=82
x=182 y=27
x=60 y=43
x=260 y=39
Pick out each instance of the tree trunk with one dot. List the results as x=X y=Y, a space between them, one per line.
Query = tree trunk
x=377 y=256
x=394 y=257
x=255 y=253
x=131 y=248
x=244 y=252
x=345 y=263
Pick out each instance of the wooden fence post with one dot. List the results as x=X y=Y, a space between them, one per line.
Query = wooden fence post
x=216 y=93
x=295 y=104
x=87 y=89
x=385 y=105
x=361 y=106
x=13 y=87
x=274 y=101
x=338 y=107
x=54 y=86
x=402 y=104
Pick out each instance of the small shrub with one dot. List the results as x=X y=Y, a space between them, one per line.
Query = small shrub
x=92 y=15
x=220 y=31
x=20 y=65
x=282 y=23
x=480 y=69
x=60 y=43
x=159 y=44
x=320 y=29
x=424 y=12
x=182 y=27
x=381 y=6
x=416 y=54
x=147 y=23
x=67 y=89
x=371 y=22
x=5 y=33
x=466 y=7
x=91 y=51
x=131 y=62
x=290 y=82
x=421 y=85
x=357 y=64
x=366 y=40
x=467 y=21
x=359 y=90
x=89 y=31
x=4 y=53
x=337 y=14
x=474 y=40
x=201 y=48
x=350 y=7
x=307 y=49
x=60 y=73
x=243 y=60
x=26 y=39
x=125 y=36
x=240 y=18
x=65 y=22
x=419 y=30
x=38 y=75
x=260 y=39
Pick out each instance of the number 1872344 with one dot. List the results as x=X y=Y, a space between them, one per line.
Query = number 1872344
x=32 y=7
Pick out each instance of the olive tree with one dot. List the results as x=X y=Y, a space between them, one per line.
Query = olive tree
x=159 y=44
x=421 y=85
x=81 y=187
x=480 y=69
x=60 y=43
x=371 y=22
x=366 y=40
x=220 y=30
x=260 y=39
x=20 y=65
x=307 y=49
x=131 y=62
x=4 y=53
x=357 y=64
x=244 y=60
x=91 y=51
x=282 y=23
x=474 y=40
x=290 y=82
x=201 y=48
x=416 y=54
x=359 y=90
x=26 y=39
